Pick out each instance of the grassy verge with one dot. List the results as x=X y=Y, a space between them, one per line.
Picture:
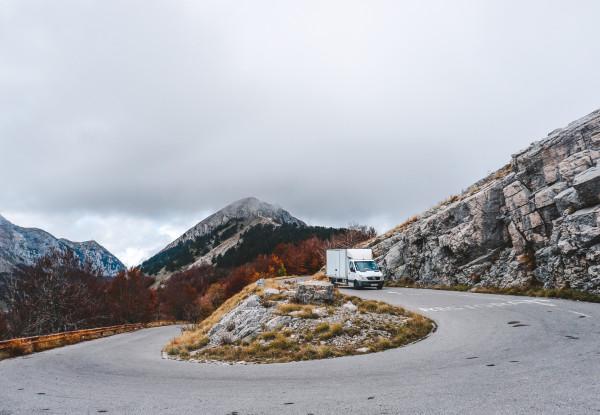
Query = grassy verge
x=374 y=326
x=564 y=293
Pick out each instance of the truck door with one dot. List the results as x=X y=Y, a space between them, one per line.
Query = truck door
x=351 y=271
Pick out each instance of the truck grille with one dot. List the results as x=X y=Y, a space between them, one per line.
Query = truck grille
x=373 y=278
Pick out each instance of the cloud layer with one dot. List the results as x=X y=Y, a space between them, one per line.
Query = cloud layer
x=127 y=122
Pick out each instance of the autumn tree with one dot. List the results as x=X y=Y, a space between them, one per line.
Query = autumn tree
x=3 y=326
x=130 y=299
x=55 y=294
x=180 y=294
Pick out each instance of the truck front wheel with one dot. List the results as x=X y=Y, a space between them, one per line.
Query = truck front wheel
x=380 y=286
x=356 y=285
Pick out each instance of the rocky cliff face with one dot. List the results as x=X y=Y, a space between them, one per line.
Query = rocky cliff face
x=534 y=222
x=24 y=246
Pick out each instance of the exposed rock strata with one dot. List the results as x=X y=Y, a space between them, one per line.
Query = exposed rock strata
x=534 y=222
x=24 y=246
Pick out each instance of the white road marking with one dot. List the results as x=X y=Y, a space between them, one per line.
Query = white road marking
x=578 y=313
x=546 y=303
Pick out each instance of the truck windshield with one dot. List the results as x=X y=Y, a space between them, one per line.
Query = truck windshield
x=364 y=266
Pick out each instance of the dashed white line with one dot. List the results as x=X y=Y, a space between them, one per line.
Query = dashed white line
x=546 y=303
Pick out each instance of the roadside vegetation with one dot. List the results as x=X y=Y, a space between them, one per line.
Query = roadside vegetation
x=345 y=326
x=564 y=293
x=58 y=293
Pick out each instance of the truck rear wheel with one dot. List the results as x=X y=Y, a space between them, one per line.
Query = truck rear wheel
x=332 y=281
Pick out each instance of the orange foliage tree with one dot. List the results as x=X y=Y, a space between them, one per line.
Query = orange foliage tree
x=129 y=298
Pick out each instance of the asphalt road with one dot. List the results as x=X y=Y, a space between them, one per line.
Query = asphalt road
x=491 y=354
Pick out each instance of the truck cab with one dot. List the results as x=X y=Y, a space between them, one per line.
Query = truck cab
x=354 y=267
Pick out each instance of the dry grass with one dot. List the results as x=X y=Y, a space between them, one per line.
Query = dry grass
x=282 y=346
x=287 y=308
x=403 y=225
x=332 y=330
x=187 y=341
x=306 y=344
x=297 y=310
x=272 y=347
x=320 y=276
x=564 y=293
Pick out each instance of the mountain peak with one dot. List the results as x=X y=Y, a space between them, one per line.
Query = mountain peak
x=250 y=207
x=221 y=231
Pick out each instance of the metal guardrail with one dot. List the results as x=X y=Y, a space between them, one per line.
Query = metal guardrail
x=27 y=345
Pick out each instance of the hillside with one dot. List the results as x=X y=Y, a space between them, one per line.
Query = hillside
x=535 y=222
x=232 y=236
x=24 y=246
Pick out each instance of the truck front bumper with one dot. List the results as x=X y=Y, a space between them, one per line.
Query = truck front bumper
x=369 y=283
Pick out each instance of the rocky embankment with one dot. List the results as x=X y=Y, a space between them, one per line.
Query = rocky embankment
x=535 y=222
x=288 y=321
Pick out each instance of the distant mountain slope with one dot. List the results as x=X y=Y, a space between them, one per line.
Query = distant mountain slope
x=23 y=246
x=534 y=222
x=233 y=235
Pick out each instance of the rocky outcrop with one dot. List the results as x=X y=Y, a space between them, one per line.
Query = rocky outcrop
x=244 y=322
x=314 y=292
x=533 y=222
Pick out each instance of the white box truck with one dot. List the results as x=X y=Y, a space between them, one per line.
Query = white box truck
x=353 y=267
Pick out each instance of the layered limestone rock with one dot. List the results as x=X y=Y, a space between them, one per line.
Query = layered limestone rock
x=534 y=222
x=314 y=292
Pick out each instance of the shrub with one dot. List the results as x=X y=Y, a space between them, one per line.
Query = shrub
x=280 y=342
x=325 y=351
x=287 y=308
x=200 y=343
x=322 y=327
x=336 y=329
x=268 y=335
x=172 y=350
x=308 y=312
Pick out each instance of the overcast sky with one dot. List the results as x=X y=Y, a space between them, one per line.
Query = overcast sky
x=129 y=121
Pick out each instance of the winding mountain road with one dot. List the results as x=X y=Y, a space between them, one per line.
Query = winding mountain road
x=491 y=354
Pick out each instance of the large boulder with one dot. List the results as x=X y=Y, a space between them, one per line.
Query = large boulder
x=244 y=322
x=311 y=292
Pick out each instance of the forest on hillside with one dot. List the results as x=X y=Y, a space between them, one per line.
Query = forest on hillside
x=58 y=294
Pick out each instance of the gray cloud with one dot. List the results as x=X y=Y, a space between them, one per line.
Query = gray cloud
x=119 y=119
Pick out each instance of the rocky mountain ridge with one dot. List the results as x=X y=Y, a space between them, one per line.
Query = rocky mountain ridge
x=23 y=246
x=216 y=235
x=535 y=222
x=249 y=208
